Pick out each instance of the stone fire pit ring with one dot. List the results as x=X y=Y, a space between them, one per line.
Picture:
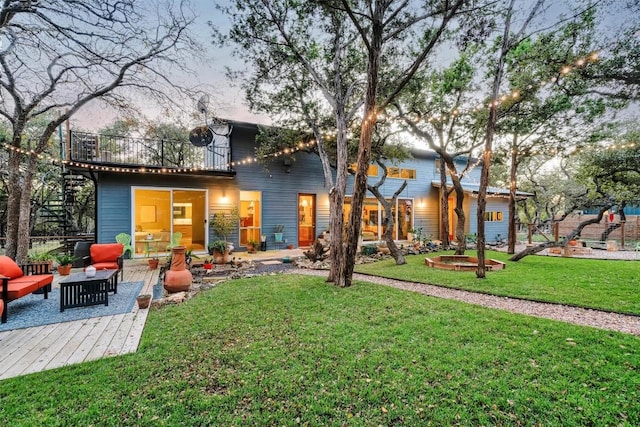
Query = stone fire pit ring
x=462 y=263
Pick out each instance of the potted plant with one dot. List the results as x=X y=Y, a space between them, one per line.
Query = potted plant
x=220 y=251
x=207 y=264
x=277 y=231
x=189 y=256
x=383 y=248
x=252 y=246
x=414 y=234
x=224 y=222
x=64 y=263
x=153 y=263
x=143 y=300
x=41 y=258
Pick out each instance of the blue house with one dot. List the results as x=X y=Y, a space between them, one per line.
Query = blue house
x=151 y=189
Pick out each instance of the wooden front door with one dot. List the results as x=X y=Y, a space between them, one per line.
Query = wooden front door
x=306 y=219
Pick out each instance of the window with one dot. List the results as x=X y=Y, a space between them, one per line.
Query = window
x=493 y=216
x=372 y=171
x=158 y=213
x=372 y=226
x=250 y=216
x=402 y=173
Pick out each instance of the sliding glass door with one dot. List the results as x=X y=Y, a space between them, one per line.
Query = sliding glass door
x=160 y=213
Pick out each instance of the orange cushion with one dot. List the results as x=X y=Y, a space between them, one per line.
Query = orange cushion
x=105 y=252
x=40 y=279
x=106 y=265
x=9 y=268
x=18 y=290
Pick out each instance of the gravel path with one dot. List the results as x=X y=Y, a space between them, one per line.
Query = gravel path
x=579 y=316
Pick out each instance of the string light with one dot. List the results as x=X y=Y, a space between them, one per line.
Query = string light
x=161 y=170
x=372 y=117
x=515 y=94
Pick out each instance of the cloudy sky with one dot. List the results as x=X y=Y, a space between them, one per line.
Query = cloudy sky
x=226 y=100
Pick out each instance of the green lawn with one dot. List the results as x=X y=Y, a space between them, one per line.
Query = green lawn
x=293 y=350
x=601 y=284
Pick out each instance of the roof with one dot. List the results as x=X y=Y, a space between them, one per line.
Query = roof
x=474 y=188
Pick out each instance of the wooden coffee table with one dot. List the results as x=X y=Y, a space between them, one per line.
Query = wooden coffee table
x=78 y=290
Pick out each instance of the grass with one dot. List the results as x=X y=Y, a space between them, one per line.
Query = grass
x=601 y=284
x=293 y=350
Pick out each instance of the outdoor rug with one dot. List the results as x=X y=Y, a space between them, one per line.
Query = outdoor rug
x=34 y=310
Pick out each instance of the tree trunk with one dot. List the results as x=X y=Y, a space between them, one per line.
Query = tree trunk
x=576 y=232
x=24 y=223
x=512 y=234
x=364 y=147
x=462 y=219
x=336 y=202
x=14 y=190
x=395 y=252
x=444 y=202
x=359 y=190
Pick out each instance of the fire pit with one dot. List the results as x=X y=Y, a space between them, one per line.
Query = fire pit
x=462 y=263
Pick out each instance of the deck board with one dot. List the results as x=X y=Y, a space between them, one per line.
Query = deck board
x=52 y=346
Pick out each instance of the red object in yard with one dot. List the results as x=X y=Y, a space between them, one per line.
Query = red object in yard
x=611 y=217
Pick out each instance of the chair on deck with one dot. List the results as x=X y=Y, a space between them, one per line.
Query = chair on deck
x=175 y=240
x=106 y=256
x=125 y=240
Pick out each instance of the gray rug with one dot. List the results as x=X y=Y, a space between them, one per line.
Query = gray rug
x=34 y=310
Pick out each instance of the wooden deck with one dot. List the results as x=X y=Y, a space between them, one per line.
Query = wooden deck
x=23 y=351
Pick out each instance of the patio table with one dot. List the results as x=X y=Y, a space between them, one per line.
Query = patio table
x=78 y=290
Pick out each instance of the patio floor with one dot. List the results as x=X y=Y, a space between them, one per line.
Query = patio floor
x=45 y=347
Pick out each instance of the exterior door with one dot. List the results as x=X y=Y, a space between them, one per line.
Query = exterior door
x=306 y=219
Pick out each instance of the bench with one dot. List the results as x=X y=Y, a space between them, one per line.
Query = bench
x=18 y=281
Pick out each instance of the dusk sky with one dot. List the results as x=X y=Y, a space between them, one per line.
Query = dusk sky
x=227 y=101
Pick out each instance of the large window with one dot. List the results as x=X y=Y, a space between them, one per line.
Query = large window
x=250 y=216
x=159 y=214
x=373 y=214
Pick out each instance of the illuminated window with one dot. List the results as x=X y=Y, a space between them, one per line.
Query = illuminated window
x=372 y=171
x=373 y=226
x=493 y=216
x=250 y=216
x=402 y=173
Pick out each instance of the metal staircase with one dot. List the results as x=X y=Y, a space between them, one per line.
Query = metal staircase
x=58 y=212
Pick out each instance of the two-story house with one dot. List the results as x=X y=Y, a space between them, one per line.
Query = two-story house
x=151 y=189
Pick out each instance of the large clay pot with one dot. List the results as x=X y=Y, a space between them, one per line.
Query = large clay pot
x=178 y=278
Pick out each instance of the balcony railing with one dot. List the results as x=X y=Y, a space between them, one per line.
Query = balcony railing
x=127 y=151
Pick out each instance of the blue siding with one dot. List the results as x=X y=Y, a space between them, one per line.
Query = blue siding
x=280 y=186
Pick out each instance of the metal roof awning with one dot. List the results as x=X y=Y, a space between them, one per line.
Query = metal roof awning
x=474 y=188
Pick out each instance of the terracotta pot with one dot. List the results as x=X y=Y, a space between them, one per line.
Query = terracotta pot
x=289 y=246
x=143 y=301
x=153 y=264
x=220 y=258
x=178 y=278
x=64 y=270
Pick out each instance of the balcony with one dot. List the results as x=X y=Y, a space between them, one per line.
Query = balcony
x=138 y=155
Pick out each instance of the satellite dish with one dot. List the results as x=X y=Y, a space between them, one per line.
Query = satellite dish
x=203 y=104
x=201 y=136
